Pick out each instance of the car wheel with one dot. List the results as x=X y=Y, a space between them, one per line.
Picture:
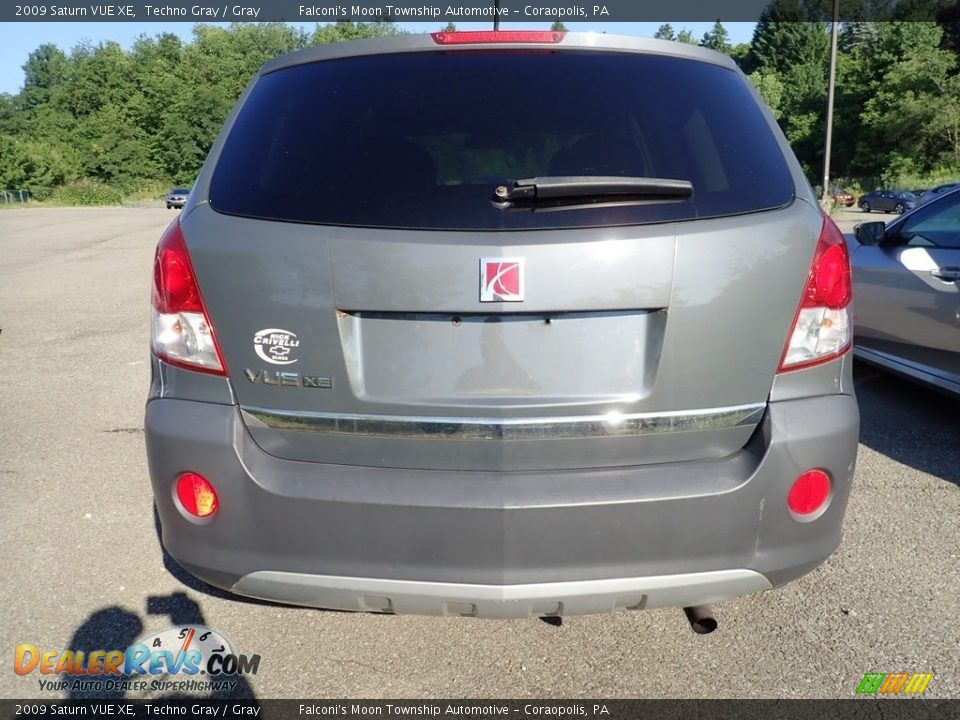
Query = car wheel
x=899 y=208
x=865 y=207
x=169 y=206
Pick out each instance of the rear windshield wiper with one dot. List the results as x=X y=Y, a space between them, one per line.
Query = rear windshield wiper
x=592 y=187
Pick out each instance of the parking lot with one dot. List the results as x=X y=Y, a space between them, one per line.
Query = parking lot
x=847 y=217
x=83 y=567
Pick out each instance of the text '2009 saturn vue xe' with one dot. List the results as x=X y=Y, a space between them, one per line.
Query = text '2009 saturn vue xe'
x=501 y=324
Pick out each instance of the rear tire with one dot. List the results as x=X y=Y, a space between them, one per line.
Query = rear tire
x=865 y=207
x=899 y=208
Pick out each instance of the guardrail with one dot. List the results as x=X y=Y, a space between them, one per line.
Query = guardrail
x=12 y=196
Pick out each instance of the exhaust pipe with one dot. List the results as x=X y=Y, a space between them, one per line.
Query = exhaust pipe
x=701 y=619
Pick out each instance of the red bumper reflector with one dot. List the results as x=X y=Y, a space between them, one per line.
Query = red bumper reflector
x=809 y=493
x=196 y=495
x=498 y=36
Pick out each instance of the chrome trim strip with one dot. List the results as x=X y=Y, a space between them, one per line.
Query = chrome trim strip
x=507 y=429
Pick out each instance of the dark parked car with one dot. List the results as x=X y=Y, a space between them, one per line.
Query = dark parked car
x=895 y=201
x=934 y=193
x=177 y=197
x=906 y=276
x=543 y=345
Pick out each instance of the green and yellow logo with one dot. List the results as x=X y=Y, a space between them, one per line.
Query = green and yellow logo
x=899 y=683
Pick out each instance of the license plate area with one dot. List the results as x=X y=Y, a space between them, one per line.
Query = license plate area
x=526 y=358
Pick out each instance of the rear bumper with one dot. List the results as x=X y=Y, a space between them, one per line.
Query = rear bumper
x=576 y=597
x=501 y=544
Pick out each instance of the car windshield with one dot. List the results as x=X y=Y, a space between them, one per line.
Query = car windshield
x=180 y=191
x=422 y=140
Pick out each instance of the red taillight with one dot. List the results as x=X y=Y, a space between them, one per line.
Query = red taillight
x=498 y=36
x=196 y=495
x=809 y=493
x=174 y=287
x=829 y=283
x=182 y=333
x=822 y=328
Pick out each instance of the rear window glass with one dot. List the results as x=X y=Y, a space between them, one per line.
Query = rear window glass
x=421 y=140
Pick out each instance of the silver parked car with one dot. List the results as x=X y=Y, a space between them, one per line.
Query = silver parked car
x=535 y=345
x=907 y=279
x=177 y=197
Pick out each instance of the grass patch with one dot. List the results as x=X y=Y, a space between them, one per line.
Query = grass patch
x=86 y=193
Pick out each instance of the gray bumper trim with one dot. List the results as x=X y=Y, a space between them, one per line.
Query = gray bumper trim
x=500 y=601
x=501 y=429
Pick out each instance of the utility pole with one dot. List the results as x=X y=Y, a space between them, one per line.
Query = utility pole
x=830 y=90
x=496 y=16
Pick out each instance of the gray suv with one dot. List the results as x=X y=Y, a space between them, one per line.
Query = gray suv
x=498 y=325
x=177 y=197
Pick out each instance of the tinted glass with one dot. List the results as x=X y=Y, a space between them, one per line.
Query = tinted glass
x=935 y=225
x=421 y=140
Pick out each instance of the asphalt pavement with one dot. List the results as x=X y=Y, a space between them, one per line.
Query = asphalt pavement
x=846 y=218
x=82 y=567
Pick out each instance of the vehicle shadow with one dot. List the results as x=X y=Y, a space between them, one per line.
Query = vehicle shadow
x=194 y=583
x=117 y=628
x=197 y=585
x=909 y=423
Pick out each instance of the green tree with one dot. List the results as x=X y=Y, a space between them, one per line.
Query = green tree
x=857 y=35
x=740 y=54
x=665 y=32
x=770 y=87
x=789 y=33
x=347 y=30
x=11 y=115
x=789 y=61
x=558 y=27
x=147 y=115
x=802 y=113
x=948 y=18
x=717 y=38
x=45 y=69
x=35 y=166
x=911 y=109
x=139 y=117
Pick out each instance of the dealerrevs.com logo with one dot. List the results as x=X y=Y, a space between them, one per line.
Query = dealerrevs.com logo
x=196 y=657
x=898 y=683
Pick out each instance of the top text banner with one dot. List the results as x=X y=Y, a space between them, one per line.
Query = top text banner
x=507 y=11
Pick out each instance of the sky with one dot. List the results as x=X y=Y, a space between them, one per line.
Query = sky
x=18 y=40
